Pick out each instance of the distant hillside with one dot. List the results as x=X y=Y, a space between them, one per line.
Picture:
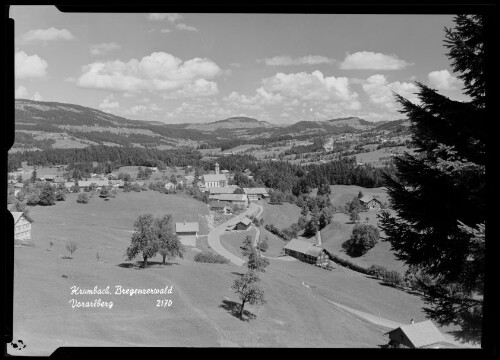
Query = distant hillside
x=42 y=124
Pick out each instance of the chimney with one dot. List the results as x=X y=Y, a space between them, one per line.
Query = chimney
x=413 y=322
x=217 y=168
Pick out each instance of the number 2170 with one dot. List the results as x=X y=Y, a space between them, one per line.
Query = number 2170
x=163 y=303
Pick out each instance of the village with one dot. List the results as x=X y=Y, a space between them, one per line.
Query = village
x=232 y=210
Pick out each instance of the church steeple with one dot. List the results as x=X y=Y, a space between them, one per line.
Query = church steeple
x=217 y=168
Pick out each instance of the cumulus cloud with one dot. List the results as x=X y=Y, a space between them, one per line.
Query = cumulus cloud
x=104 y=48
x=172 y=17
x=200 y=87
x=37 y=97
x=108 y=104
x=166 y=30
x=29 y=66
x=366 y=60
x=443 y=80
x=160 y=72
x=44 y=35
x=21 y=92
x=380 y=91
x=182 y=26
x=304 y=60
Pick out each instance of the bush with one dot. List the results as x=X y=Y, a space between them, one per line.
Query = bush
x=393 y=278
x=60 y=196
x=263 y=244
x=378 y=271
x=83 y=198
x=210 y=257
x=348 y=264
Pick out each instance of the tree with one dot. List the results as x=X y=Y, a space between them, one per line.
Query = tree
x=360 y=194
x=363 y=238
x=47 y=195
x=144 y=239
x=238 y=190
x=325 y=217
x=444 y=185
x=248 y=290
x=20 y=206
x=355 y=205
x=83 y=198
x=169 y=245
x=256 y=262
x=313 y=225
x=71 y=247
x=19 y=178
x=263 y=244
x=354 y=216
x=324 y=188
x=247 y=246
x=60 y=195
x=34 y=176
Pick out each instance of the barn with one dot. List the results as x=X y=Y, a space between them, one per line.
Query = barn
x=219 y=206
x=307 y=252
x=255 y=194
x=421 y=335
x=22 y=227
x=187 y=232
x=243 y=224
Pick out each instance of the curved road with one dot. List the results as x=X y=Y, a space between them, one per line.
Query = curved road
x=213 y=237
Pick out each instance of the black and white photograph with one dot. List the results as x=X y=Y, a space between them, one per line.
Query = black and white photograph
x=249 y=179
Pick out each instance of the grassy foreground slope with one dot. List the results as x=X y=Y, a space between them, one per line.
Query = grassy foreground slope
x=203 y=302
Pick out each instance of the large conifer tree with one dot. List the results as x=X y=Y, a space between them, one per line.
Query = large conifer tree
x=439 y=194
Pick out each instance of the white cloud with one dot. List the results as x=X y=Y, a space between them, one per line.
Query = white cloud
x=172 y=17
x=104 y=48
x=304 y=60
x=44 y=35
x=199 y=87
x=21 y=92
x=160 y=72
x=185 y=27
x=107 y=104
x=366 y=60
x=443 y=80
x=166 y=30
x=37 y=97
x=29 y=66
x=380 y=91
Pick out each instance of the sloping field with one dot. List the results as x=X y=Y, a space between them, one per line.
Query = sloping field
x=341 y=194
x=233 y=240
x=280 y=216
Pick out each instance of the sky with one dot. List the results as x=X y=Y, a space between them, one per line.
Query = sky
x=192 y=68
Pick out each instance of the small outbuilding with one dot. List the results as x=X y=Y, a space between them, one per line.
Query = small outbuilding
x=219 y=206
x=243 y=224
x=421 y=335
x=187 y=228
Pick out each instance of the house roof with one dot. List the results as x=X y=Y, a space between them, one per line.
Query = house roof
x=367 y=198
x=69 y=184
x=17 y=215
x=187 y=227
x=214 y=177
x=19 y=185
x=421 y=334
x=223 y=189
x=50 y=177
x=245 y=221
x=255 y=191
x=84 y=183
x=229 y=197
x=304 y=247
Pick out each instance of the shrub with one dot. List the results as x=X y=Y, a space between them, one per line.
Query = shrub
x=263 y=245
x=60 y=196
x=83 y=198
x=348 y=264
x=393 y=278
x=71 y=247
x=377 y=271
x=210 y=257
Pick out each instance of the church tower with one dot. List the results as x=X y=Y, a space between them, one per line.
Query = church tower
x=217 y=168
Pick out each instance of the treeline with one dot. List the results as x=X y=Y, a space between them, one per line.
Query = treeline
x=106 y=154
x=27 y=140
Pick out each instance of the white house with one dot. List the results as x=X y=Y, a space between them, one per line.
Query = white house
x=22 y=227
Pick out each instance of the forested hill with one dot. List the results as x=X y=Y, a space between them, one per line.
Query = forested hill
x=46 y=125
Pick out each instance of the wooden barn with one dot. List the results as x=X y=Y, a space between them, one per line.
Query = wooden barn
x=219 y=206
x=421 y=335
x=243 y=224
x=307 y=252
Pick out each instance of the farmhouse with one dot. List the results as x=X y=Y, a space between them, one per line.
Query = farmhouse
x=307 y=252
x=215 y=180
x=240 y=199
x=419 y=335
x=22 y=227
x=371 y=202
x=255 y=194
x=219 y=206
x=243 y=224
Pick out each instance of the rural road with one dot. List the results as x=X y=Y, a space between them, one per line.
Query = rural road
x=213 y=237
